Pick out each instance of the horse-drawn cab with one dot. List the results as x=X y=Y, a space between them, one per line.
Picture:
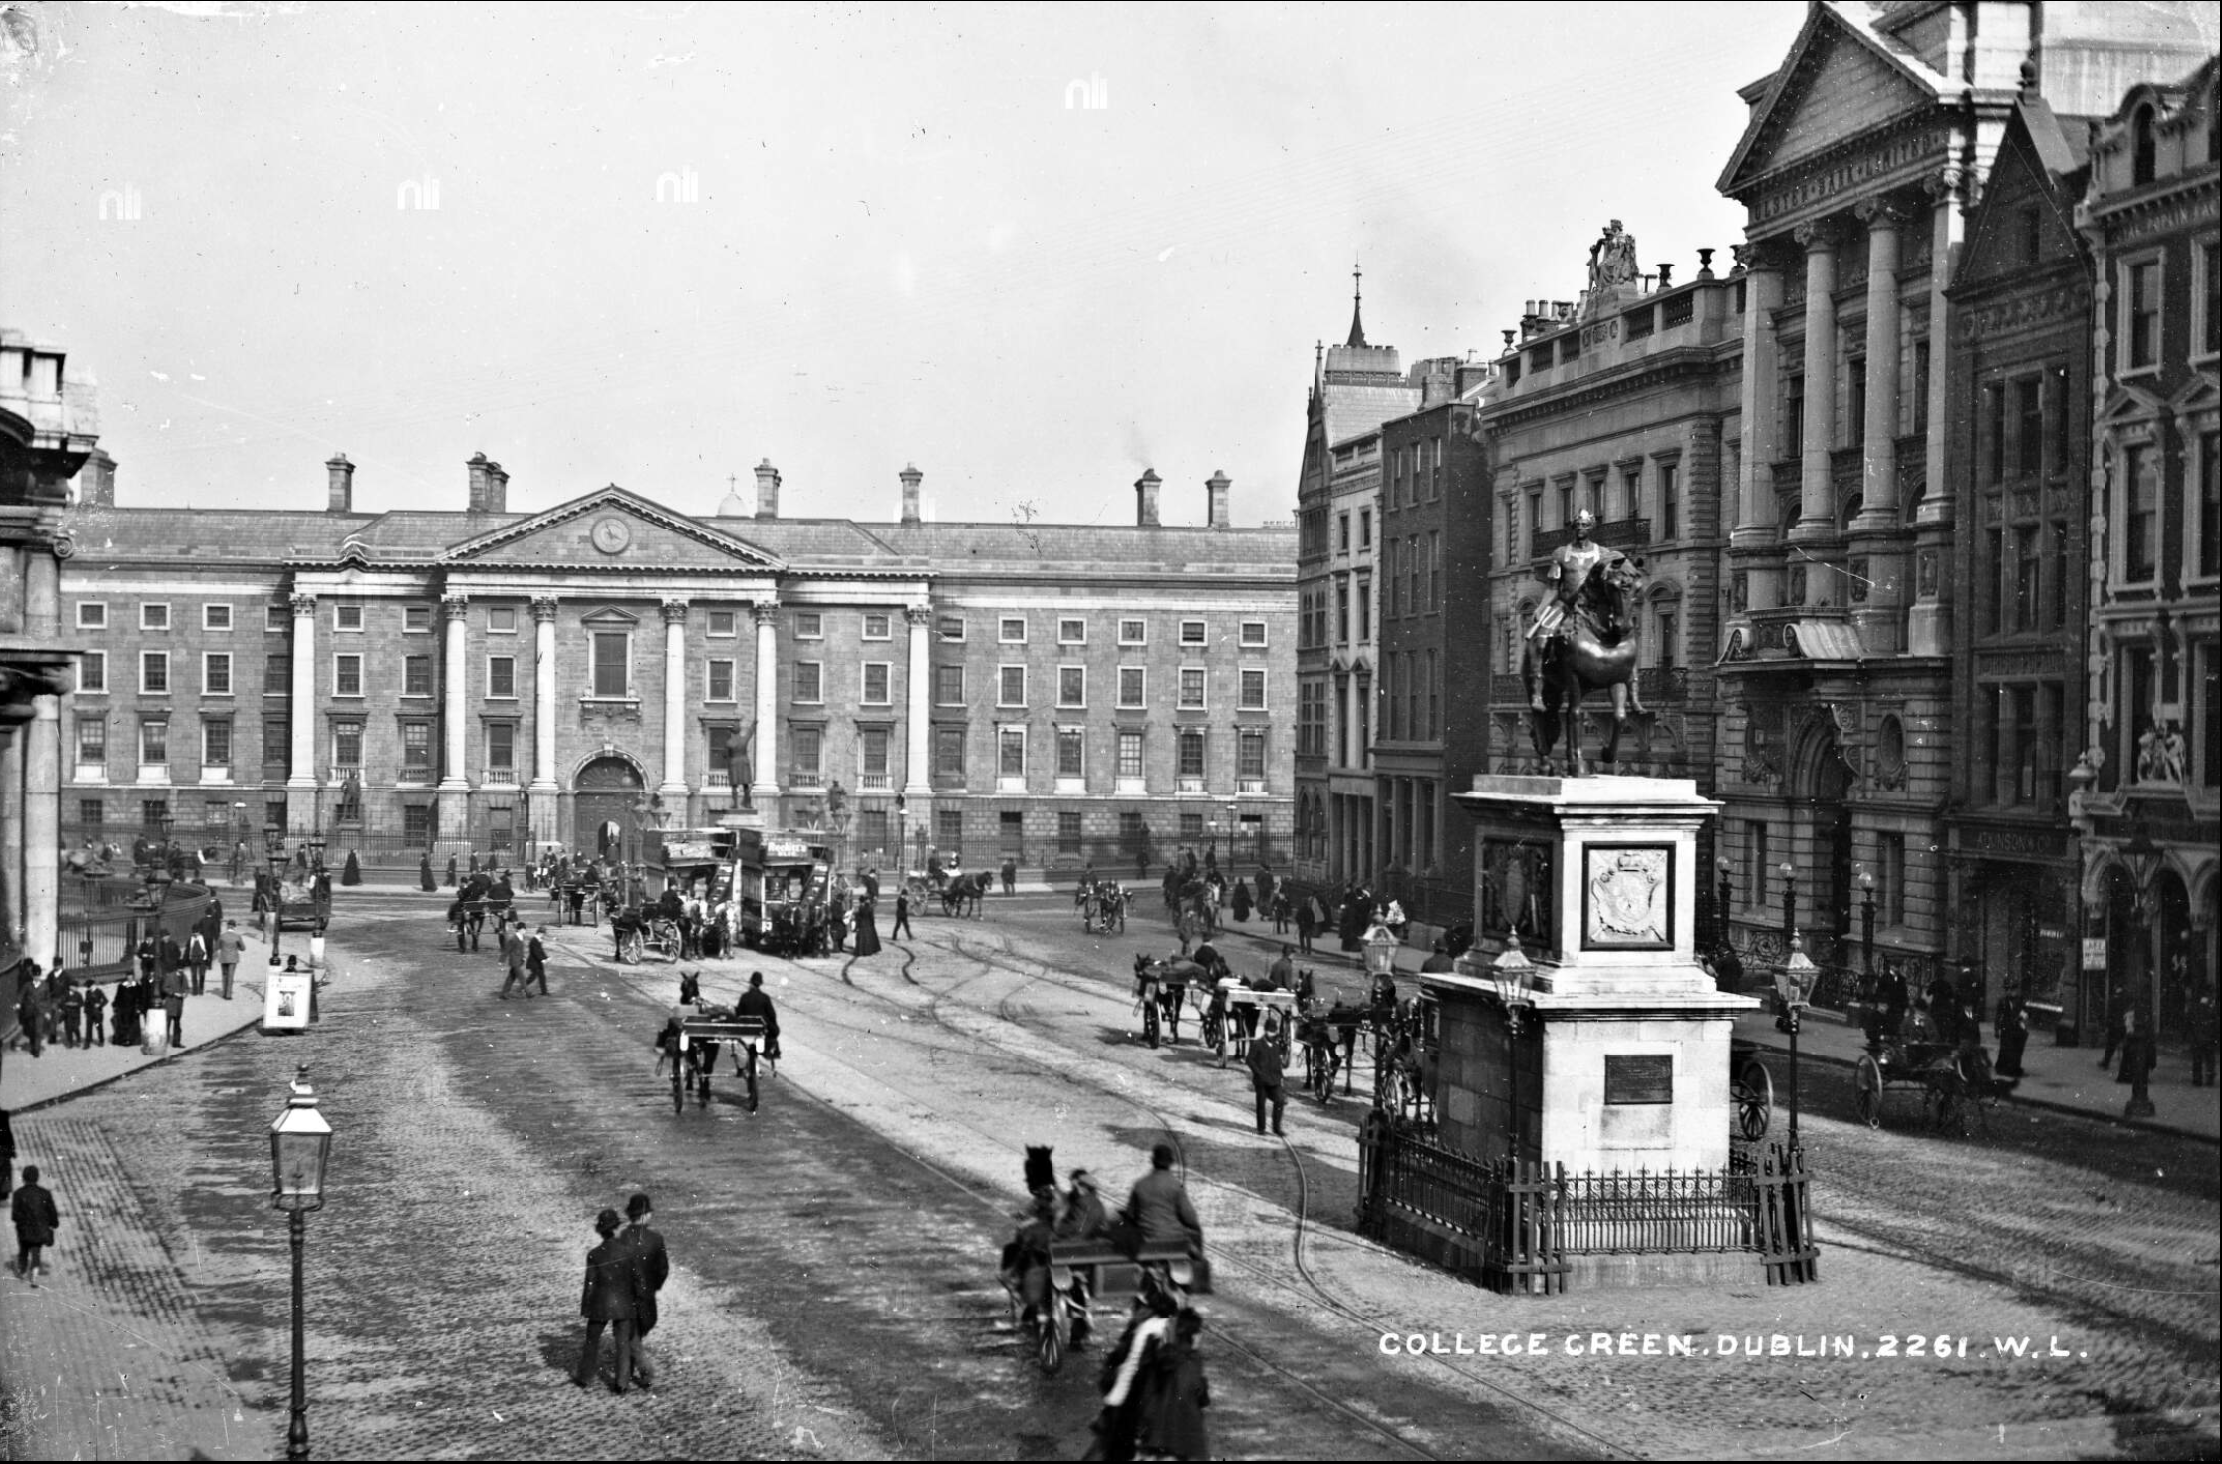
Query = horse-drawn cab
x=639 y=929
x=1329 y=1037
x=1239 y=1015
x=1161 y=989
x=1405 y=1058
x=1102 y=906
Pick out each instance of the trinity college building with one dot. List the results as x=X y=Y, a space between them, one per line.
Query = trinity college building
x=468 y=678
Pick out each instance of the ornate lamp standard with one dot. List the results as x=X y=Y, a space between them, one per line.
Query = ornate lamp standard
x=1509 y=972
x=238 y=860
x=1725 y=869
x=1793 y=984
x=1789 y=873
x=273 y=838
x=300 y=1143
x=1867 y=927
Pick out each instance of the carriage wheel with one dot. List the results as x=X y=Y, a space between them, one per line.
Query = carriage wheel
x=1054 y=1329
x=1867 y=1086
x=1755 y=1099
x=1149 y=1022
x=630 y=947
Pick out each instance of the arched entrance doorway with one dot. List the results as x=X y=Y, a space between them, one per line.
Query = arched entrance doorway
x=1822 y=781
x=602 y=809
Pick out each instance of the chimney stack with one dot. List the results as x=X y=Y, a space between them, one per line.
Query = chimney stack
x=1218 y=484
x=1145 y=499
x=911 y=479
x=497 y=489
x=477 y=466
x=767 y=490
x=96 y=480
x=340 y=479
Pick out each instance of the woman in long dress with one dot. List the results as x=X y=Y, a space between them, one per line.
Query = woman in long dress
x=867 y=930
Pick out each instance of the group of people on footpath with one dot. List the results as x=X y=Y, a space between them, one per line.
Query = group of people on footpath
x=624 y=1271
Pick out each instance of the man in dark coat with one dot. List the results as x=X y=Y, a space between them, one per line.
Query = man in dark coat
x=651 y=1268
x=513 y=957
x=96 y=1013
x=1158 y=1206
x=536 y=961
x=902 y=916
x=608 y=1299
x=35 y=1218
x=1266 y=1079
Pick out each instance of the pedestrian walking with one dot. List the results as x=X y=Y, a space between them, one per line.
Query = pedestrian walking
x=1266 y=1080
x=30 y=1007
x=96 y=1014
x=1306 y=926
x=35 y=1218
x=513 y=957
x=651 y=1268
x=867 y=930
x=607 y=1301
x=901 y=928
x=1010 y=876
x=536 y=961
x=73 y=1013
x=2199 y=1022
x=425 y=881
x=1128 y=1370
x=2013 y=1032
x=2138 y=1056
x=1173 y=1411
x=229 y=947
x=173 y=1009
x=196 y=961
x=7 y=1156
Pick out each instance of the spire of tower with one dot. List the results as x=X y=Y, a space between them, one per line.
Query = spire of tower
x=1357 y=306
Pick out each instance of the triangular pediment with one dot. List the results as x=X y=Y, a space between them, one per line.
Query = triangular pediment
x=612 y=528
x=2130 y=402
x=1839 y=82
x=2023 y=182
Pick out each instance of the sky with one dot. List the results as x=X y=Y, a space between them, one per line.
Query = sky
x=415 y=232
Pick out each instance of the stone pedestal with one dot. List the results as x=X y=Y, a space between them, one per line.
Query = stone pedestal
x=1621 y=1058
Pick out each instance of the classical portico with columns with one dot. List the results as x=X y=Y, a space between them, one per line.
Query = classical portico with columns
x=585 y=675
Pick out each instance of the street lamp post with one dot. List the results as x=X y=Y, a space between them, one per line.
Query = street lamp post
x=274 y=851
x=1867 y=926
x=238 y=860
x=300 y=1144
x=1510 y=972
x=1794 y=985
x=1789 y=873
x=1725 y=868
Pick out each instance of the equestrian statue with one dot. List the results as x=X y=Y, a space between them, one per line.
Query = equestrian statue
x=1585 y=638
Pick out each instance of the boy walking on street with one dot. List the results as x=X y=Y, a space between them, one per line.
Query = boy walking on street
x=35 y=1218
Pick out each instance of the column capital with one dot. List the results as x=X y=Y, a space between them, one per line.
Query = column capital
x=675 y=612
x=303 y=605
x=918 y=614
x=1950 y=183
x=544 y=608
x=765 y=611
x=455 y=607
x=1884 y=211
x=1816 y=237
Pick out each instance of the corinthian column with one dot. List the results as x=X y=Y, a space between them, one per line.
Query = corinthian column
x=766 y=750
x=675 y=701
x=1878 y=567
x=545 y=788
x=1816 y=490
x=300 y=780
x=918 y=729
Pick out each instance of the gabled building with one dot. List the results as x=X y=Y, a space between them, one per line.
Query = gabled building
x=2147 y=788
x=2017 y=459
x=1355 y=388
x=1862 y=156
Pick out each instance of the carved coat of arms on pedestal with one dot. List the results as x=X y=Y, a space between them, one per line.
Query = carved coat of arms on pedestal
x=1628 y=897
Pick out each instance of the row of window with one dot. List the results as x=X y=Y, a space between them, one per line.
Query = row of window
x=155 y=678
x=1415 y=473
x=1193 y=683
x=1312 y=611
x=1013 y=744
x=2140 y=326
x=2142 y=522
x=1594 y=491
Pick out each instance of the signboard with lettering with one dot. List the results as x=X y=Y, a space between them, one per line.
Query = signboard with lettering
x=1639 y=1077
x=2094 y=953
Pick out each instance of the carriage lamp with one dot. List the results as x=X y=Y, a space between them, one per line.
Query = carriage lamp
x=1509 y=973
x=1794 y=984
x=1381 y=949
x=300 y=1143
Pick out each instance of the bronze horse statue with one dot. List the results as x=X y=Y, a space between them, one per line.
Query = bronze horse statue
x=1594 y=649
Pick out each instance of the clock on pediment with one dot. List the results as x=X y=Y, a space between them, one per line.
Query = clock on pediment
x=611 y=535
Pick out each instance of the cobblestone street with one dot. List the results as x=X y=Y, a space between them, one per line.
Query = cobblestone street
x=833 y=1292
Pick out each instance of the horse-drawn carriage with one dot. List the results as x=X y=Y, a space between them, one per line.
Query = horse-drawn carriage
x=692 y=1044
x=1161 y=993
x=1239 y=1015
x=1085 y=1272
x=640 y=929
x=1952 y=1077
x=1102 y=906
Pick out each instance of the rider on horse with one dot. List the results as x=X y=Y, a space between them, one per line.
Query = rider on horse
x=1575 y=573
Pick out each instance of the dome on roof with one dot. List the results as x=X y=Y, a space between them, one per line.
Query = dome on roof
x=731 y=506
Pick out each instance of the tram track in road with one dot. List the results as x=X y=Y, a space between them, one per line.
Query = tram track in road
x=1318 y=1290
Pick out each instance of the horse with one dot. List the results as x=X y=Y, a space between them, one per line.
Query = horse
x=1594 y=649
x=962 y=895
x=1173 y=976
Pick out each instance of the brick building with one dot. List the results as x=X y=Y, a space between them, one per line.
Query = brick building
x=1434 y=542
x=2146 y=793
x=476 y=678
x=2017 y=460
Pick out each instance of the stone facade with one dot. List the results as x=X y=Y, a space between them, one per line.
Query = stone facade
x=48 y=428
x=487 y=680
x=2146 y=793
x=1355 y=388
